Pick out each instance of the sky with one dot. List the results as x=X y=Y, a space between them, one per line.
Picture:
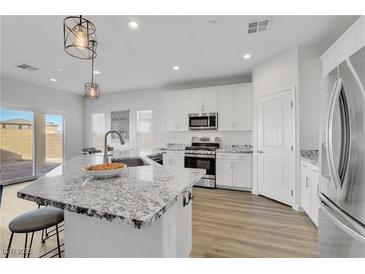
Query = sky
x=6 y=114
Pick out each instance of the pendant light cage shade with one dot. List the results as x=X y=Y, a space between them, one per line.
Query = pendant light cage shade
x=79 y=37
x=92 y=90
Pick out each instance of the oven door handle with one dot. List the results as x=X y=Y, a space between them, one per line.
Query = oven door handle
x=210 y=156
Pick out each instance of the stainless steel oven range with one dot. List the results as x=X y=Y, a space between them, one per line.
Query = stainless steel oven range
x=202 y=154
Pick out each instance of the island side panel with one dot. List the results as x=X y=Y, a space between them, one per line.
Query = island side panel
x=89 y=237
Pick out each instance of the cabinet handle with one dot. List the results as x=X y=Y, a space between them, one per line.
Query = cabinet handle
x=306 y=181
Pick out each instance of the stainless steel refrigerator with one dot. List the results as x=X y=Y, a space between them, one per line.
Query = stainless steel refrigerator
x=341 y=226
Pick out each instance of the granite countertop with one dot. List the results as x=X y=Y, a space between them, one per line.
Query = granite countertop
x=311 y=156
x=138 y=197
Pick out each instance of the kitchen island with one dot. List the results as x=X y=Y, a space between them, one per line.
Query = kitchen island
x=144 y=212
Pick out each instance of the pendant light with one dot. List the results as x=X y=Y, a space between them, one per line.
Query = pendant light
x=79 y=37
x=92 y=90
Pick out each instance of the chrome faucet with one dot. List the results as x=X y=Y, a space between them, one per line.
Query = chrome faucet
x=106 y=141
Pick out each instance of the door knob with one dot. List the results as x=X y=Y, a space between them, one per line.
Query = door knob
x=260 y=151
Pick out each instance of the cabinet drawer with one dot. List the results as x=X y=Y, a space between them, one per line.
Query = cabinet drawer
x=233 y=156
x=175 y=153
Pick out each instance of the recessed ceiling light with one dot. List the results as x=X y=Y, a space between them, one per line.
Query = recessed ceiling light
x=133 y=25
x=96 y=72
x=59 y=69
x=213 y=22
x=53 y=80
x=175 y=67
x=246 y=56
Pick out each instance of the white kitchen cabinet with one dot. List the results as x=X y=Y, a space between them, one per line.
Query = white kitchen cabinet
x=203 y=100
x=223 y=172
x=235 y=108
x=177 y=110
x=309 y=180
x=173 y=159
x=225 y=105
x=241 y=174
x=242 y=107
x=233 y=170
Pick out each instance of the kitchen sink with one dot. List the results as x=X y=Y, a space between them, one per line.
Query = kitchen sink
x=131 y=162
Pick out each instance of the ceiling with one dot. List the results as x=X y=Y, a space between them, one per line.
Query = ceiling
x=143 y=58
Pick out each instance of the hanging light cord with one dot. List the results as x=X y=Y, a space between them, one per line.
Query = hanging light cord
x=92 y=71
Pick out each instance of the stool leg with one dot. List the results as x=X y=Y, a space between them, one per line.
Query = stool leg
x=30 y=246
x=25 y=244
x=58 y=242
x=11 y=239
x=43 y=240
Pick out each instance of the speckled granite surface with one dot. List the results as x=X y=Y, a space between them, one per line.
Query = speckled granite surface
x=235 y=149
x=311 y=156
x=139 y=196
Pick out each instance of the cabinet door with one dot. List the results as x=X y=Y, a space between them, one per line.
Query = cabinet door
x=305 y=189
x=225 y=108
x=209 y=100
x=177 y=161
x=196 y=101
x=181 y=109
x=314 y=180
x=224 y=172
x=242 y=174
x=242 y=108
x=170 y=119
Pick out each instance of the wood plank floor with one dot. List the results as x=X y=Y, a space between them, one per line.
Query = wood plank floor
x=225 y=224
x=238 y=224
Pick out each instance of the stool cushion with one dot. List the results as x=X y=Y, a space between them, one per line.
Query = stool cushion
x=35 y=220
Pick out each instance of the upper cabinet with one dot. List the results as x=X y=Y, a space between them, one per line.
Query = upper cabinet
x=177 y=110
x=203 y=100
x=235 y=108
x=232 y=103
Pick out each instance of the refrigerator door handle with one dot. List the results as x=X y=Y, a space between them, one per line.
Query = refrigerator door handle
x=331 y=214
x=329 y=132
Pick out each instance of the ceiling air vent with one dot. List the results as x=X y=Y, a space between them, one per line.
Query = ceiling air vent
x=258 y=25
x=27 y=67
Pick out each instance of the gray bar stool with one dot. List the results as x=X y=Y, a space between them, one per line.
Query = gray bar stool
x=34 y=221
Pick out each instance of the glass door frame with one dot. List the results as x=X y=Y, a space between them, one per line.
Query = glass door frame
x=153 y=127
x=34 y=156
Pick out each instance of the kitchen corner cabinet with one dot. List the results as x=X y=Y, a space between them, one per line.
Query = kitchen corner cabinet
x=233 y=171
x=235 y=108
x=173 y=159
x=309 y=183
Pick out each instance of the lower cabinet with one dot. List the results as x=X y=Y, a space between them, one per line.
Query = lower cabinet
x=309 y=180
x=173 y=159
x=233 y=170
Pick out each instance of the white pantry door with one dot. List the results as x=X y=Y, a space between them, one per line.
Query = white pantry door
x=276 y=140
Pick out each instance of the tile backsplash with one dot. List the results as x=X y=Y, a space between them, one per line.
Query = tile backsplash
x=227 y=138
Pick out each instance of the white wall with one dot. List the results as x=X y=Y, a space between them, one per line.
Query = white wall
x=299 y=67
x=22 y=95
x=309 y=86
x=133 y=101
x=272 y=76
x=276 y=74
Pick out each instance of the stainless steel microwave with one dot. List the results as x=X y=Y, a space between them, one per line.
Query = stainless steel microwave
x=200 y=121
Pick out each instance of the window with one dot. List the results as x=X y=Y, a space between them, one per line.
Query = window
x=98 y=130
x=16 y=145
x=49 y=142
x=26 y=136
x=145 y=131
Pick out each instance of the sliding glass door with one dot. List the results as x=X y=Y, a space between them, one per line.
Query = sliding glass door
x=31 y=144
x=49 y=142
x=16 y=145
